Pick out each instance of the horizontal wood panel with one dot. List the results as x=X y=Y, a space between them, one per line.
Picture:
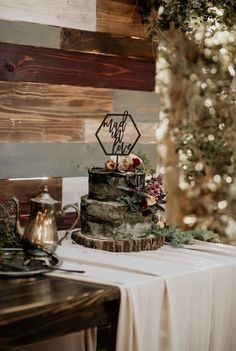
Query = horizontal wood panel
x=109 y=16
x=106 y=43
x=24 y=190
x=31 y=129
x=119 y=17
x=34 y=34
x=55 y=159
x=142 y=105
x=42 y=112
x=20 y=63
x=74 y=13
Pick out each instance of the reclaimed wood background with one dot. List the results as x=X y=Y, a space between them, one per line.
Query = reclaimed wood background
x=63 y=67
x=73 y=14
x=110 y=16
x=22 y=63
x=25 y=190
x=76 y=40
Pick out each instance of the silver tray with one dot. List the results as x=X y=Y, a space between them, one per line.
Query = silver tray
x=13 y=264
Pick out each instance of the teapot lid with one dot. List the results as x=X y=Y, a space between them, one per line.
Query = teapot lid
x=45 y=197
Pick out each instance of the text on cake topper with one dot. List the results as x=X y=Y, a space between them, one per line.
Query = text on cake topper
x=118 y=134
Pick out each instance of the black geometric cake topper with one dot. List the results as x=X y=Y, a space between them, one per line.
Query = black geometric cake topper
x=118 y=134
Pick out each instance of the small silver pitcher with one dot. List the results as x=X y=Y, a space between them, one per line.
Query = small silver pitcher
x=41 y=230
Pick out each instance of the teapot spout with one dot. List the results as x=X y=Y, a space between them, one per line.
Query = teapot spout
x=19 y=228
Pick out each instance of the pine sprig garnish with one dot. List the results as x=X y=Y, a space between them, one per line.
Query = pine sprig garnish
x=177 y=238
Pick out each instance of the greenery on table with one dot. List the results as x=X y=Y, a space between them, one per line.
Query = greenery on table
x=177 y=238
x=197 y=82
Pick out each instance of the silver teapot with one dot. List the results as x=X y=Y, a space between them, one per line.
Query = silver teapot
x=40 y=235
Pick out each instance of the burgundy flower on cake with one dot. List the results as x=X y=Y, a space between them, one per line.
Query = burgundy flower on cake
x=155 y=186
x=136 y=161
x=147 y=198
x=144 y=208
x=155 y=193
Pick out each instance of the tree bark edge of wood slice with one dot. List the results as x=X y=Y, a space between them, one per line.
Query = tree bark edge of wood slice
x=132 y=245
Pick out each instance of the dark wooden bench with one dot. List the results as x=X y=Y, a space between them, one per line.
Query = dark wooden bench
x=43 y=307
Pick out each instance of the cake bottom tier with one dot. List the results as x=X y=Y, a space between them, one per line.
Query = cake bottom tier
x=100 y=219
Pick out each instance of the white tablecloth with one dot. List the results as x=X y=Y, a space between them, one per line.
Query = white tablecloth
x=172 y=299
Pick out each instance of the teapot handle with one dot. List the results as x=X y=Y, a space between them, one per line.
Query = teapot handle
x=62 y=212
x=19 y=228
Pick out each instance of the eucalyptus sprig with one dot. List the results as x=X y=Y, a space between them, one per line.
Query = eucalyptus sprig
x=196 y=71
x=178 y=238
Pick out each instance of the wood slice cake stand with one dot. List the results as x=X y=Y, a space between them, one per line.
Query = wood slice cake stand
x=143 y=244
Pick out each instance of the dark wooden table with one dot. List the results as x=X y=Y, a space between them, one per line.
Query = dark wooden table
x=40 y=308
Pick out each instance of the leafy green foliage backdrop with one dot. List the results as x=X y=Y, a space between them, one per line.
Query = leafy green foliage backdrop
x=197 y=82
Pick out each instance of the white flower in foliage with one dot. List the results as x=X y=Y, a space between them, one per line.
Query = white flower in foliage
x=151 y=200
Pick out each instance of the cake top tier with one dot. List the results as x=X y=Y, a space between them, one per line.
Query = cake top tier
x=130 y=180
x=108 y=186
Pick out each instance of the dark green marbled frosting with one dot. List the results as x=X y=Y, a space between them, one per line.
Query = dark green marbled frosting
x=112 y=220
x=104 y=186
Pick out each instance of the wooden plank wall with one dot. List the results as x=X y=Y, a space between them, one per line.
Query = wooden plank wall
x=22 y=63
x=73 y=14
x=63 y=67
x=25 y=190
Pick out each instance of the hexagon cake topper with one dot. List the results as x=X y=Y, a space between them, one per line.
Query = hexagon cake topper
x=118 y=134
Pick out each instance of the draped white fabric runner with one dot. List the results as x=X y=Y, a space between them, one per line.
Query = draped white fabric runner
x=171 y=299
